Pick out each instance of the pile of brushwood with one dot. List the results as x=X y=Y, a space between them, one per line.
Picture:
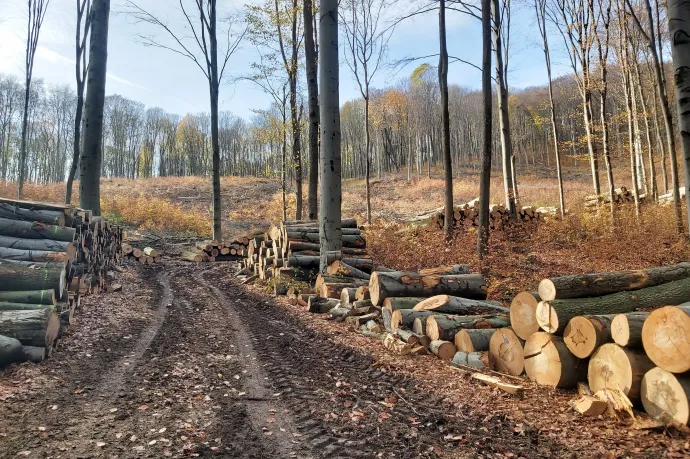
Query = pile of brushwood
x=50 y=256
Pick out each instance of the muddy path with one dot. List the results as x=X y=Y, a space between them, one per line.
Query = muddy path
x=187 y=363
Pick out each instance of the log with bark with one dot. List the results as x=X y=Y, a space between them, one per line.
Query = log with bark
x=584 y=334
x=474 y=340
x=626 y=329
x=314 y=247
x=29 y=296
x=46 y=245
x=321 y=305
x=10 y=350
x=349 y=240
x=444 y=350
x=400 y=284
x=14 y=212
x=403 y=318
x=362 y=293
x=456 y=305
x=445 y=327
x=327 y=289
x=344 y=223
x=35 y=354
x=523 y=314
x=392 y=343
x=342 y=268
x=506 y=352
x=347 y=296
x=16 y=276
x=403 y=302
x=37 y=327
x=386 y=315
x=598 y=284
x=407 y=336
x=554 y=315
x=33 y=230
x=666 y=338
x=37 y=256
x=450 y=269
x=549 y=362
x=665 y=395
x=471 y=359
x=615 y=367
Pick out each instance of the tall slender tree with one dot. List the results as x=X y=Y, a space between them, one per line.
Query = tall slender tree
x=485 y=177
x=35 y=15
x=313 y=94
x=445 y=120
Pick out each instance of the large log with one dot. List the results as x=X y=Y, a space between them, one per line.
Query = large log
x=341 y=268
x=598 y=284
x=403 y=302
x=16 y=276
x=554 y=315
x=29 y=296
x=456 y=305
x=439 y=327
x=300 y=246
x=67 y=209
x=666 y=338
x=10 y=350
x=37 y=327
x=47 y=245
x=397 y=284
x=665 y=395
x=474 y=340
x=506 y=352
x=626 y=329
x=451 y=269
x=615 y=367
x=444 y=350
x=300 y=232
x=549 y=362
x=33 y=230
x=584 y=334
x=523 y=314
x=349 y=240
x=37 y=256
x=403 y=318
x=347 y=296
x=344 y=223
x=7 y=306
x=50 y=217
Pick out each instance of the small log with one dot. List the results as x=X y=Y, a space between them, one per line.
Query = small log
x=50 y=217
x=333 y=290
x=35 y=230
x=598 y=284
x=355 y=322
x=474 y=340
x=17 y=276
x=665 y=395
x=193 y=256
x=151 y=252
x=37 y=327
x=615 y=367
x=588 y=405
x=303 y=299
x=363 y=304
x=362 y=293
x=347 y=296
x=471 y=359
x=10 y=350
x=386 y=318
x=46 y=245
x=401 y=303
x=549 y=362
x=407 y=336
x=665 y=337
x=5 y=306
x=554 y=315
x=35 y=354
x=523 y=314
x=344 y=223
x=29 y=296
x=393 y=344
x=584 y=334
x=506 y=352
x=626 y=329
x=322 y=305
x=440 y=327
x=404 y=318
x=280 y=288
x=456 y=305
x=399 y=284
x=494 y=381
x=38 y=256
x=444 y=350
x=340 y=268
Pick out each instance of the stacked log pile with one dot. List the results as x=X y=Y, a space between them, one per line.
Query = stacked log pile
x=467 y=215
x=621 y=196
x=50 y=255
x=234 y=250
x=145 y=256
x=598 y=328
x=667 y=198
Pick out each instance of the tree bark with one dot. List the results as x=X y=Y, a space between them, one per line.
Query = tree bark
x=614 y=367
x=397 y=284
x=445 y=120
x=446 y=327
x=37 y=244
x=477 y=360
x=10 y=351
x=50 y=217
x=31 y=230
x=485 y=176
x=665 y=395
x=548 y=362
x=313 y=95
x=29 y=296
x=34 y=256
x=474 y=340
x=91 y=152
x=456 y=305
x=38 y=327
x=664 y=337
x=16 y=276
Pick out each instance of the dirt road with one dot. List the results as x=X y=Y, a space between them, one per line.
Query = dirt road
x=186 y=363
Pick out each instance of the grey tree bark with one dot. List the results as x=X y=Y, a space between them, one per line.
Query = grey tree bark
x=330 y=231
x=313 y=94
x=485 y=175
x=91 y=152
x=445 y=121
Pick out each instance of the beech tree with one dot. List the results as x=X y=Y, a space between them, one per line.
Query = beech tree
x=445 y=119
x=485 y=177
x=313 y=95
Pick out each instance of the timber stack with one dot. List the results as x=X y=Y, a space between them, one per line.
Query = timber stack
x=621 y=196
x=621 y=332
x=467 y=215
x=50 y=255
x=145 y=256
x=667 y=198
x=234 y=250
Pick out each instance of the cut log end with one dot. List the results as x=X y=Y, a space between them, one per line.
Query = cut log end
x=506 y=352
x=547 y=290
x=665 y=338
x=523 y=310
x=665 y=395
x=444 y=350
x=614 y=367
x=548 y=362
x=583 y=336
x=546 y=316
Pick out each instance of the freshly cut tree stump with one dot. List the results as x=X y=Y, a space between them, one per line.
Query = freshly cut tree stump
x=440 y=327
x=626 y=329
x=444 y=350
x=506 y=352
x=399 y=284
x=38 y=327
x=16 y=276
x=598 y=284
x=474 y=340
x=50 y=217
x=29 y=296
x=666 y=338
x=549 y=362
x=456 y=305
x=584 y=334
x=34 y=230
x=10 y=350
x=403 y=318
x=523 y=314
x=471 y=359
x=554 y=315
x=35 y=354
x=615 y=367
x=340 y=268
x=401 y=303
x=665 y=395
x=362 y=293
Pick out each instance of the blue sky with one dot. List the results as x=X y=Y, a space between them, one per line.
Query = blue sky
x=160 y=78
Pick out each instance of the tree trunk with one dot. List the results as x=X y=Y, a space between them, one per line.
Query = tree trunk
x=585 y=334
x=597 y=284
x=614 y=367
x=445 y=120
x=37 y=327
x=29 y=296
x=313 y=94
x=474 y=340
x=664 y=337
x=485 y=176
x=50 y=217
x=31 y=230
x=626 y=329
x=91 y=152
x=446 y=327
x=456 y=305
x=523 y=314
x=665 y=395
x=548 y=362
x=554 y=315
x=397 y=284
x=505 y=352
x=16 y=276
